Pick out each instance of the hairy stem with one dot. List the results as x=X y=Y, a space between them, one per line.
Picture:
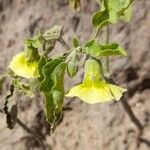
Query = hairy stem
x=96 y=33
x=64 y=44
x=123 y=101
x=107 y=59
x=131 y=114
x=28 y=130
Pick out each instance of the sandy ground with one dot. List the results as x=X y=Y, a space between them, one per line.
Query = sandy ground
x=83 y=127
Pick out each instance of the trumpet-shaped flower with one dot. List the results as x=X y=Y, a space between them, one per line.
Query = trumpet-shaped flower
x=94 y=88
x=21 y=67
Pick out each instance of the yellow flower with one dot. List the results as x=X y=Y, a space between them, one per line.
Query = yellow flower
x=21 y=67
x=94 y=88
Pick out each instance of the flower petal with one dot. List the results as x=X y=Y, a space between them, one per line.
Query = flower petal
x=94 y=88
x=97 y=92
x=19 y=66
x=116 y=91
x=91 y=94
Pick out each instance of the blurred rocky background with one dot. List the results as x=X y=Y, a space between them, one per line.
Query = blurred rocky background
x=104 y=126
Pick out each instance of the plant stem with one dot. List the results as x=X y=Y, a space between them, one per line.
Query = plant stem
x=96 y=33
x=28 y=130
x=64 y=44
x=131 y=114
x=107 y=42
x=123 y=101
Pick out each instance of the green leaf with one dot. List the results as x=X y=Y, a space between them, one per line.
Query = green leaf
x=50 y=38
x=54 y=105
x=28 y=42
x=94 y=49
x=49 y=45
x=58 y=76
x=34 y=85
x=53 y=88
x=72 y=68
x=57 y=94
x=112 y=11
x=75 y=42
x=112 y=49
x=47 y=83
x=37 y=41
x=100 y=19
x=71 y=60
x=30 y=51
x=75 y=4
x=41 y=64
x=23 y=87
x=49 y=108
x=53 y=33
x=31 y=47
x=126 y=14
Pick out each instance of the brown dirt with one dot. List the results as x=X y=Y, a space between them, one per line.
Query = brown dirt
x=83 y=127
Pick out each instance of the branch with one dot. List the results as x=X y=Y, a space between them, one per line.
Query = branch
x=107 y=42
x=28 y=130
x=64 y=44
x=96 y=33
x=131 y=114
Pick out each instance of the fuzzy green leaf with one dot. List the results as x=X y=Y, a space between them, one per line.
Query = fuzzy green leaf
x=58 y=92
x=75 y=42
x=53 y=34
x=36 y=43
x=47 y=83
x=126 y=14
x=41 y=64
x=50 y=37
x=112 y=11
x=112 y=49
x=22 y=87
x=30 y=51
x=53 y=88
x=100 y=19
x=31 y=47
x=37 y=40
x=49 y=45
x=72 y=68
x=94 y=49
